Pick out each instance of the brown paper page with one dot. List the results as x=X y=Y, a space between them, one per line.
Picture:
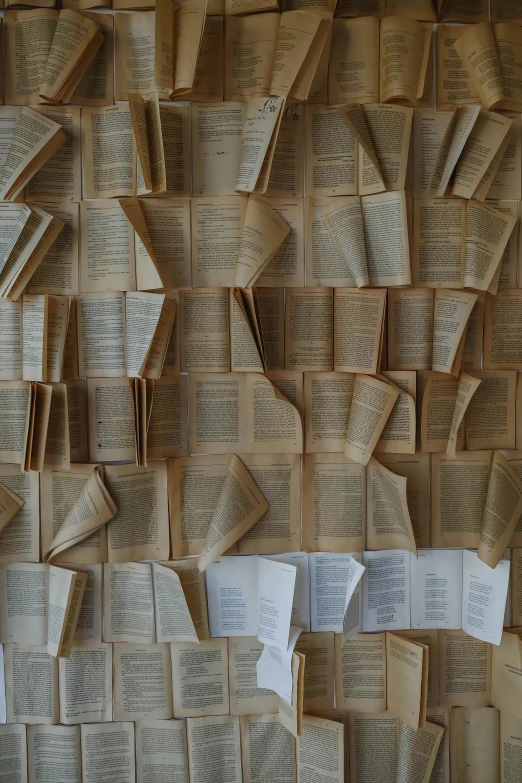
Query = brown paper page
x=107 y=258
x=429 y=128
x=57 y=444
x=371 y=406
x=501 y=327
x=467 y=387
x=502 y=510
x=451 y=312
x=262 y=234
x=278 y=477
x=388 y=517
x=487 y=233
x=30 y=31
x=478 y=50
x=360 y=672
x=354 y=61
x=389 y=128
x=453 y=142
x=366 y=733
x=258 y=140
x=297 y=30
x=416 y=469
x=10 y=504
x=217 y=130
x=334 y=504
x=135 y=38
x=439 y=250
x=417 y=750
x=208 y=80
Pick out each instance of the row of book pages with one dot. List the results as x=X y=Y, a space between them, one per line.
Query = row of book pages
x=260 y=409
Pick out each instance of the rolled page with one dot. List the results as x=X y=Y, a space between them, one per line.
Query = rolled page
x=502 y=510
x=372 y=403
x=389 y=523
x=478 y=49
x=262 y=234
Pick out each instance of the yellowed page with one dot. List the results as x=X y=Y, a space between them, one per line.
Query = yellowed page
x=109 y=152
x=316 y=734
x=485 y=139
x=309 y=329
x=96 y=87
x=371 y=406
x=344 y=221
x=271 y=306
x=297 y=30
x=389 y=128
x=510 y=747
x=465 y=669
x=501 y=325
x=327 y=397
x=134 y=34
x=204 y=330
x=111 y=419
x=404 y=47
x=354 y=61
x=399 y=433
x=28 y=39
x=416 y=469
x=258 y=138
x=451 y=312
x=406 y=680
x=245 y=697
x=490 y=419
x=259 y=732
x=501 y=511
x=217 y=130
x=195 y=666
x=467 y=387
x=60 y=179
x=506 y=663
x=226 y=431
x=439 y=404
x=360 y=672
x=358 y=325
x=273 y=422
x=287 y=172
x=417 y=750
x=439 y=249
x=456 y=519
x=453 y=142
x=249 y=51
x=208 y=84
x=474 y=733
x=142 y=686
x=454 y=84
x=478 y=50
x=388 y=518
x=318 y=649
x=410 y=348
x=331 y=154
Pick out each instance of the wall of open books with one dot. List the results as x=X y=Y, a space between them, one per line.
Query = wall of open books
x=260 y=396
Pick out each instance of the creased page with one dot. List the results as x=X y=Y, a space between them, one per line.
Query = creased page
x=358 y=328
x=331 y=154
x=10 y=504
x=451 y=312
x=273 y=422
x=389 y=128
x=478 y=50
x=467 y=387
x=142 y=315
x=389 y=523
x=262 y=234
x=354 y=117
x=417 y=751
x=65 y=594
x=501 y=512
x=173 y=619
x=399 y=433
x=189 y=23
x=344 y=221
x=372 y=403
x=36 y=138
x=240 y=506
x=487 y=234
x=297 y=30
x=92 y=509
x=451 y=146
x=486 y=137
x=260 y=128
x=259 y=732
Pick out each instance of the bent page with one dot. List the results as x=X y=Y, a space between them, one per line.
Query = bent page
x=262 y=234
x=258 y=140
x=10 y=504
x=406 y=679
x=372 y=403
x=485 y=139
x=478 y=49
x=484 y=596
x=173 y=619
x=65 y=595
x=501 y=512
x=417 y=750
x=389 y=523
x=451 y=312
x=93 y=508
x=467 y=387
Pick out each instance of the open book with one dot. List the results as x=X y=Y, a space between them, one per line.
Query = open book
x=51 y=596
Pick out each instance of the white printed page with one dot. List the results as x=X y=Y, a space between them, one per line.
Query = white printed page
x=232 y=596
x=276 y=583
x=436 y=589
x=484 y=593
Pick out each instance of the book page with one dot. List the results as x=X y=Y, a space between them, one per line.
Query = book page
x=107 y=261
x=86 y=684
x=267 y=749
x=354 y=63
x=486 y=137
x=509 y=747
x=142 y=681
x=478 y=50
x=109 y=152
x=13 y=759
x=313 y=758
x=388 y=517
x=30 y=32
x=318 y=688
x=54 y=751
x=474 y=732
x=262 y=234
x=330 y=153
x=417 y=750
x=328 y=397
x=134 y=35
x=161 y=749
x=20 y=540
x=217 y=130
x=334 y=504
x=436 y=581
x=65 y=593
x=402 y=78
x=454 y=84
x=107 y=750
x=204 y=330
x=24 y=603
x=373 y=739
x=101 y=334
x=309 y=329
x=330 y=574
x=451 y=312
x=465 y=670
x=406 y=680
x=140 y=528
x=358 y=327
x=372 y=403
x=200 y=678
x=59 y=179
x=501 y=512
x=128 y=608
x=439 y=243
x=111 y=419
x=31 y=677
x=484 y=594
x=214 y=741
x=246 y=698
x=173 y=619
x=360 y=672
